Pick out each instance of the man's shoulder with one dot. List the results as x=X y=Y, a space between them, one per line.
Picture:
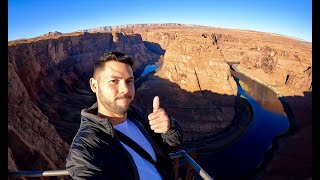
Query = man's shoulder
x=85 y=136
x=89 y=135
x=87 y=127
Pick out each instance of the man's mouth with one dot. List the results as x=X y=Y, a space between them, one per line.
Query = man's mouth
x=124 y=98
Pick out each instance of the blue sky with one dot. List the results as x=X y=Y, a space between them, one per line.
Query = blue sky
x=31 y=18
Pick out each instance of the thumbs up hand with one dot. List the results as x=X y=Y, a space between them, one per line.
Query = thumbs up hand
x=158 y=119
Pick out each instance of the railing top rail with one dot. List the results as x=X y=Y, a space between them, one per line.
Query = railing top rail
x=39 y=173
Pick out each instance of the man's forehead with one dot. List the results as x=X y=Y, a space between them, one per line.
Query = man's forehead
x=117 y=69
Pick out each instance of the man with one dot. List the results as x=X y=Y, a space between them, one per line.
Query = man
x=103 y=146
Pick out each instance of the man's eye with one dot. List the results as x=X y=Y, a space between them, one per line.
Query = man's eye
x=114 y=81
x=131 y=81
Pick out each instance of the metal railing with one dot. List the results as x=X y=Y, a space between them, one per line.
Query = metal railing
x=174 y=156
x=39 y=173
x=193 y=164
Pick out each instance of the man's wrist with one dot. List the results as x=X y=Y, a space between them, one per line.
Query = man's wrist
x=172 y=123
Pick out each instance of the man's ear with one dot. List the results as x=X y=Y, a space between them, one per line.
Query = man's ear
x=93 y=85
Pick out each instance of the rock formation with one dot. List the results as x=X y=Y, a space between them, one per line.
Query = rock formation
x=194 y=82
x=281 y=63
x=48 y=87
x=54 y=33
x=33 y=141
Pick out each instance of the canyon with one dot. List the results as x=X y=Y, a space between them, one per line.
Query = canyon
x=48 y=86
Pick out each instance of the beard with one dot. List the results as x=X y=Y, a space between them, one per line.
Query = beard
x=112 y=105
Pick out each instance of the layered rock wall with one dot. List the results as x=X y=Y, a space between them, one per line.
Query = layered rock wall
x=48 y=81
x=194 y=83
x=48 y=84
x=283 y=63
x=33 y=141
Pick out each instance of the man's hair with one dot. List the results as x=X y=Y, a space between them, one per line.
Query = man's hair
x=112 y=56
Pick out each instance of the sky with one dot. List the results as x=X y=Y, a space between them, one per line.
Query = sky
x=31 y=18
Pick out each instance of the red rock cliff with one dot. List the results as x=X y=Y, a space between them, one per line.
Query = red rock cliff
x=194 y=82
x=48 y=86
x=282 y=63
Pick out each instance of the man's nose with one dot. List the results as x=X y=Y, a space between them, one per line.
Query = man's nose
x=124 y=88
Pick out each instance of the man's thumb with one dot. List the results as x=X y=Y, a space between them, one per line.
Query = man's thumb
x=156 y=103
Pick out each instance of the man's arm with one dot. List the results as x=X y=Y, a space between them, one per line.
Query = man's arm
x=174 y=136
x=80 y=167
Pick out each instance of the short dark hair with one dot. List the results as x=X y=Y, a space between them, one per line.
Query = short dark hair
x=112 y=56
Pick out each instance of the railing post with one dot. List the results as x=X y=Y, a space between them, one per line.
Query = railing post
x=176 y=167
x=188 y=172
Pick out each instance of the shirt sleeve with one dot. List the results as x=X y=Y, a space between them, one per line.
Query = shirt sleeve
x=80 y=167
x=173 y=137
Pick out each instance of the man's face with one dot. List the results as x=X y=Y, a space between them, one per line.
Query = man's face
x=114 y=87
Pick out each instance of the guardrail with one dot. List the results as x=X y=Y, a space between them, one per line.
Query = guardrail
x=196 y=167
x=39 y=173
x=174 y=156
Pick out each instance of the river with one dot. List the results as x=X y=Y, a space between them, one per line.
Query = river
x=241 y=158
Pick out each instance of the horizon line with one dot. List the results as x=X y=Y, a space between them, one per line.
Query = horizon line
x=195 y=25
